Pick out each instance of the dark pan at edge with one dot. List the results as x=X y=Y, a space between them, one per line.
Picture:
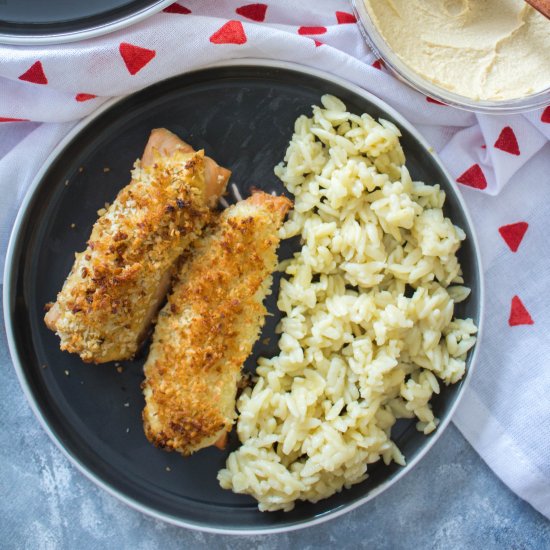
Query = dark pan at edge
x=42 y=19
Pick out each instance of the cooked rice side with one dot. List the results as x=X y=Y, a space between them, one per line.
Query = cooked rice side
x=368 y=332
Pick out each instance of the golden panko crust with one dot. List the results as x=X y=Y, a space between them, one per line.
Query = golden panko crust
x=115 y=286
x=209 y=326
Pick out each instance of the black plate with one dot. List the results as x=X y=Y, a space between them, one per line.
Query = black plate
x=49 y=21
x=242 y=116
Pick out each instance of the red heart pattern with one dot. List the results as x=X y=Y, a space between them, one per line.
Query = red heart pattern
x=473 y=177
x=230 y=33
x=545 y=117
x=507 y=141
x=84 y=97
x=177 y=8
x=343 y=17
x=519 y=314
x=6 y=119
x=254 y=12
x=35 y=74
x=312 y=30
x=435 y=101
x=378 y=64
x=135 y=57
x=513 y=234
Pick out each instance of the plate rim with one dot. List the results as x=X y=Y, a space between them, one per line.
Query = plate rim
x=86 y=33
x=8 y=282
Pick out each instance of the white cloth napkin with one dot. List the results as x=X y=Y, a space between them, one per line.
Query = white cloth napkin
x=502 y=165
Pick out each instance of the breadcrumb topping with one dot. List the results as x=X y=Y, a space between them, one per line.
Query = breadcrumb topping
x=209 y=325
x=107 y=302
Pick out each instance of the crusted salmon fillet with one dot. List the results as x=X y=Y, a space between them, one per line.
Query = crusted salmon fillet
x=209 y=325
x=116 y=286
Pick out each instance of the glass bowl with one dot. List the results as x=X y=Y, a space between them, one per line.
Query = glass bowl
x=405 y=73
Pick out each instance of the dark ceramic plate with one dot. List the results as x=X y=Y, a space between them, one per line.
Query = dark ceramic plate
x=243 y=116
x=52 y=21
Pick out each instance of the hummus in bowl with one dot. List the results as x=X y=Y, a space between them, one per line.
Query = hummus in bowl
x=492 y=51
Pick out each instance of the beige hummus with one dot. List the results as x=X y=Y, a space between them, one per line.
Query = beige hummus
x=481 y=49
